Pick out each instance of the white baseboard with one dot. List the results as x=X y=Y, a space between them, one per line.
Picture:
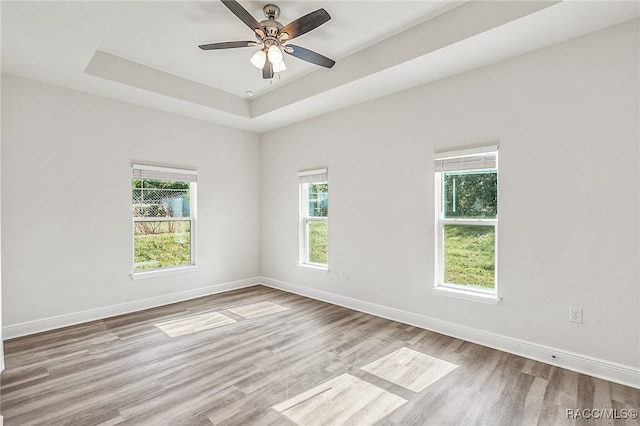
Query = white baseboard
x=603 y=369
x=45 y=324
x=623 y=374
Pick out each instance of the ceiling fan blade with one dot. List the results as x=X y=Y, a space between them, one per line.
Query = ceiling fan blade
x=242 y=14
x=267 y=70
x=309 y=56
x=227 y=45
x=304 y=24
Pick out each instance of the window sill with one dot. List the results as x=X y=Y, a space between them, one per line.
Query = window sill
x=315 y=268
x=143 y=275
x=473 y=296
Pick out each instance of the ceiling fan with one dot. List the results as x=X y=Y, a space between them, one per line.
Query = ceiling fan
x=274 y=38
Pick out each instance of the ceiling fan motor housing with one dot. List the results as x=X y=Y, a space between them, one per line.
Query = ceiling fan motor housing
x=270 y=25
x=271 y=28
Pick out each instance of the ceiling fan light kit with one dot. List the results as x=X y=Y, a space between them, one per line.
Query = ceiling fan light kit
x=274 y=37
x=274 y=54
x=279 y=67
x=258 y=59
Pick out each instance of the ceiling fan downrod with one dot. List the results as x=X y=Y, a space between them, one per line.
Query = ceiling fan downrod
x=271 y=11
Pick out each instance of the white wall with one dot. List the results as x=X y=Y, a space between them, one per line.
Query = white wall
x=66 y=216
x=566 y=118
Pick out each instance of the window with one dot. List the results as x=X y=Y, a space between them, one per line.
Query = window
x=314 y=212
x=466 y=199
x=164 y=210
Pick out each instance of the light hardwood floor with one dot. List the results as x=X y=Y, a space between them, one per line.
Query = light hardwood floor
x=259 y=356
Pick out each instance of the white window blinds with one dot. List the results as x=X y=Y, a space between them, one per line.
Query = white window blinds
x=472 y=159
x=318 y=175
x=164 y=173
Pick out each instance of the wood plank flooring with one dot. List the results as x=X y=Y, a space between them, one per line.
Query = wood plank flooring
x=259 y=356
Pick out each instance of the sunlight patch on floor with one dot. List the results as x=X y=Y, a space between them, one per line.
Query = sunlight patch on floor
x=194 y=323
x=410 y=369
x=343 y=400
x=257 y=309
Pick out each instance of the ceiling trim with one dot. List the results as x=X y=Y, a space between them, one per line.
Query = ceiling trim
x=457 y=37
x=462 y=22
x=120 y=70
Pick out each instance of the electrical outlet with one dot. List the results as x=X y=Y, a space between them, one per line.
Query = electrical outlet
x=214 y=266
x=344 y=275
x=575 y=315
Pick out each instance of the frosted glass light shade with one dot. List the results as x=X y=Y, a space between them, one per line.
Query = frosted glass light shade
x=258 y=59
x=274 y=54
x=280 y=66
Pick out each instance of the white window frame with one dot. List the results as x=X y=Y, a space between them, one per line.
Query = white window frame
x=468 y=160
x=174 y=174
x=306 y=178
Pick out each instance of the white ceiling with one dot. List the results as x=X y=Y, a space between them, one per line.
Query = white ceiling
x=146 y=53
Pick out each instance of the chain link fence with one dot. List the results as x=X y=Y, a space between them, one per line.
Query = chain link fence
x=159 y=203
x=155 y=202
